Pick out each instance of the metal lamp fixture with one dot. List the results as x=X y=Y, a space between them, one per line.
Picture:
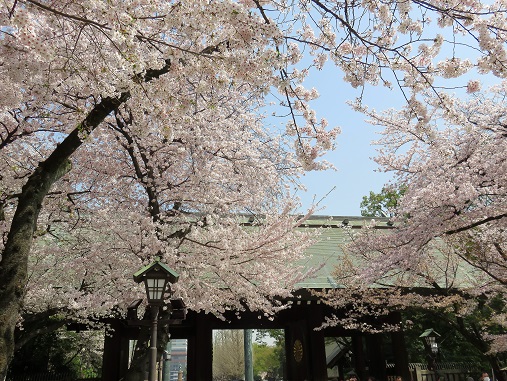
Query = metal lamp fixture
x=156 y=277
x=433 y=344
x=155 y=289
x=430 y=337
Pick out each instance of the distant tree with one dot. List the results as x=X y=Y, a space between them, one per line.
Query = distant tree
x=228 y=355
x=60 y=351
x=453 y=345
x=266 y=360
x=382 y=204
x=265 y=335
x=270 y=358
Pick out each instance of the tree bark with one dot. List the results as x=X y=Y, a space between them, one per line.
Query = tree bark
x=14 y=264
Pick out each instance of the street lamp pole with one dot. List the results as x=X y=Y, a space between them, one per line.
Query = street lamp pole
x=156 y=277
x=430 y=343
x=153 y=342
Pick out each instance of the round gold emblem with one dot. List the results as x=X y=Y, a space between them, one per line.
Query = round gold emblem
x=298 y=350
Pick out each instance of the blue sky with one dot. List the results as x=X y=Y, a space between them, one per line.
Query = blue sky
x=355 y=175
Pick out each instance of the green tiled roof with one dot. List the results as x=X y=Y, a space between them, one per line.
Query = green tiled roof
x=328 y=249
x=330 y=245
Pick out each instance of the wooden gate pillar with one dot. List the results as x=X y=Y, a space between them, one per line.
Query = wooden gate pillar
x=359 y=358
x=116 y=353
x=317 y=344
x=400 y=355
x=200 y=351
x=297 y=351
x=376 y=357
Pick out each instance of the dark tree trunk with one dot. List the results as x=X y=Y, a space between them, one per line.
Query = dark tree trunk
x=14 y=264
x=35 y=325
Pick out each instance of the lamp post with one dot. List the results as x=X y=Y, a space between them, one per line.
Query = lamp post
x=157 y=278
x=430 y=343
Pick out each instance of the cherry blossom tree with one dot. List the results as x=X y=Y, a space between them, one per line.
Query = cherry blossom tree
x=449 y=237
x=181 y=200
x=133 y=128
x=153 y=94
x=449 y=227
x=454 y=166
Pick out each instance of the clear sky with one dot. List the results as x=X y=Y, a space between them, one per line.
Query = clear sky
x=356 y=173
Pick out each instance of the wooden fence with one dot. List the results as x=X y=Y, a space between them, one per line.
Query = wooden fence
x=443 y=372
